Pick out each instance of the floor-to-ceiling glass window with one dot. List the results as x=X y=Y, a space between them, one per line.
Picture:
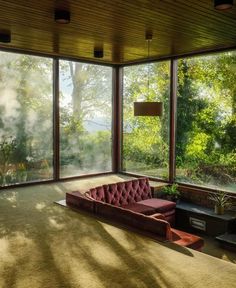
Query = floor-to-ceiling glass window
x=85 y=118
x=26 y=118
x=206 y=121
x=145 y=148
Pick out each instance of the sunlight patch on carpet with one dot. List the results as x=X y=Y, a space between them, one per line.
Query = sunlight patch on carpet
x=12 y=197
x=61 y=202
x=40 y=206
x=53 y=223
x=6 y=256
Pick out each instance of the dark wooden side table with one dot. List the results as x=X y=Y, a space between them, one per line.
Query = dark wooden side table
x=191 y=217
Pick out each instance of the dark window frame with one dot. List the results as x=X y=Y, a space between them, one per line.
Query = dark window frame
x=117 y=101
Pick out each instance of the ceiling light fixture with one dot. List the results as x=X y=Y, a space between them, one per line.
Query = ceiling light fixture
x=62 y=16
x=148 y=108
x=98 y=53
x=5 y=37
x=223 y=4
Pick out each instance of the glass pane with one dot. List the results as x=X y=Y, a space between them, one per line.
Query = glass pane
x=206 y=121
x=146 y=139
x=26 y=118
x=85 y=118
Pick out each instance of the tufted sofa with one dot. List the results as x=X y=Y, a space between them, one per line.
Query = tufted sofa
x=131 y=203
x=134 y=195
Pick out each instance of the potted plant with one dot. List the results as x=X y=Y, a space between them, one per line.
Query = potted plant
x=221 y=201
x=45 y=169
x=171 y=192
x=21 y=172
x=7 y=149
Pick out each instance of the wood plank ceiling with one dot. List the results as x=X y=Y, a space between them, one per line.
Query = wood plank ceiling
x=119 y=26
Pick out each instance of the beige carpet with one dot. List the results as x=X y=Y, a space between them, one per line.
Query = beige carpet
x=45 y=245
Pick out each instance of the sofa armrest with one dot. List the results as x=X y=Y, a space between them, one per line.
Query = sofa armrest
x=158 y=216
x=77 y=199
x=87 y=195
x=158 y=227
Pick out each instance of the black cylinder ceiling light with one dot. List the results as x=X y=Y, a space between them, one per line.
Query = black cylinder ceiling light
x=62 y=16
x=98 y=53
x=5 y=36
x=223 y=4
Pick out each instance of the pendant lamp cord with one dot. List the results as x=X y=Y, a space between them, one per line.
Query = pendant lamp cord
x=148 y=82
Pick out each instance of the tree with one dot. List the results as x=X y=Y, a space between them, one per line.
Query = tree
x=145 y=139
x=25 y=88
x=205 y=123
x=87 y=112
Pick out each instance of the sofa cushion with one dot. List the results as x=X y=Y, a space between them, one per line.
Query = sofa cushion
x=124 y=193
x=78 y=200
x=140 y=208
x=160 y=205
x=187 y=240
x=169 y=213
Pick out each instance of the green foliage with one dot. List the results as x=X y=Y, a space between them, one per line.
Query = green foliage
x=26 y=84
x=205 y=150
x=145 y=139
x=7 y=149
x=206 y=125
x=206 y=119
x=229 y=137
x=171 y=190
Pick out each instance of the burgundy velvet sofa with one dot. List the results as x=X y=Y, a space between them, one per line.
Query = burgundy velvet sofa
x=124 y=202
x=134 y=195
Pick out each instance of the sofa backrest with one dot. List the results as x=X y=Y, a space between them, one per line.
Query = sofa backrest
x=97 y=193
x=124 y=193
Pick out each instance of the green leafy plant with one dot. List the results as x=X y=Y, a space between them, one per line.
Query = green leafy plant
x=171 y=192
x=221 y=201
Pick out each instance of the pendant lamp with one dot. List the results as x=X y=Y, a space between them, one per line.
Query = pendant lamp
x=148 y=108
